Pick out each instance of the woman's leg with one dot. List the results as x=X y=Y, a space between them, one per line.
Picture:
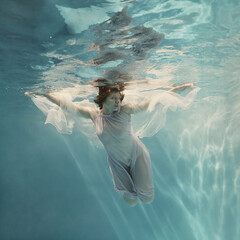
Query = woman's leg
x=123 y=181
x=142 y=176
x=131 y=202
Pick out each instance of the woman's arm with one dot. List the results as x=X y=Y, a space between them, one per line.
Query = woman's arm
x=131 y=109
x=182 y=87
x=82 y=111
x=47 y=95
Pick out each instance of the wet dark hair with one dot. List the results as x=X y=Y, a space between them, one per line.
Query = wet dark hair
x=104 y=90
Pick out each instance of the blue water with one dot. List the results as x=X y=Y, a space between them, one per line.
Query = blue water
x=56 y=186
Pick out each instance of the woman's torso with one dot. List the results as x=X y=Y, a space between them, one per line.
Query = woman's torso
x=115 y=132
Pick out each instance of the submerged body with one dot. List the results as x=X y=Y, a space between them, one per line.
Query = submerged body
x=128 y=158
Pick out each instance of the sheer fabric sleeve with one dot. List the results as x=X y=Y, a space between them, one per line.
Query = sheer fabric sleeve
x=148 y=122
x=65 y=117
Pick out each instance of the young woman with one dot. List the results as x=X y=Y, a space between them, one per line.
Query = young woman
x=128 y=158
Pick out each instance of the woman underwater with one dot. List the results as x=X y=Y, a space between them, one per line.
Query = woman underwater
x=128 y=158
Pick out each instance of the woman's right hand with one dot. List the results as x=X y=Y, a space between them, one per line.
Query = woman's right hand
x=33 y=93
x=29 y=93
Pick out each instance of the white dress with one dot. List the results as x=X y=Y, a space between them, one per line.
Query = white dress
x=128 y=158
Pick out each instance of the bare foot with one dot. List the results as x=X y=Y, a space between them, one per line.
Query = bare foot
x=131 y=202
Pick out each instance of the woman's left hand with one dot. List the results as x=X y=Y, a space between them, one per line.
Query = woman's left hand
x=190 y=85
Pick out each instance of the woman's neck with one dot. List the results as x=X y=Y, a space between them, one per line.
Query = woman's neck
x=106 y=111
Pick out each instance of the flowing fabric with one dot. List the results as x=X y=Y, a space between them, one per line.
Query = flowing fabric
x=148 y=123
x=64 y=118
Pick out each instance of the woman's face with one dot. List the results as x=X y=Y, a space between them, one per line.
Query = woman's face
x=113 y=102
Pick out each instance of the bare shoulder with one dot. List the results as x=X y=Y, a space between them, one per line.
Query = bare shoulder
x=93 y=113
x=136 y=108
x=127 y=108
x=87 y=112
